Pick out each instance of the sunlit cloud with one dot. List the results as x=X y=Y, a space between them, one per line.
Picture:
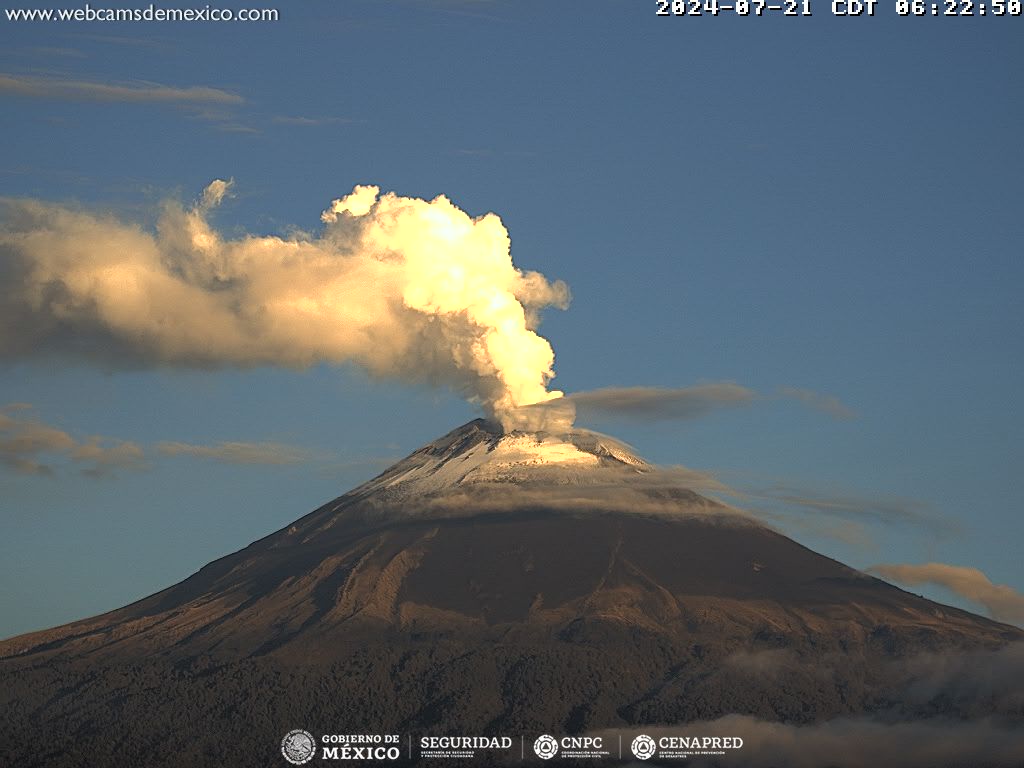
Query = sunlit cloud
x=24 y=442
x=411 y=289
x=1002 y=602
x=28 y=447
x=105 y=456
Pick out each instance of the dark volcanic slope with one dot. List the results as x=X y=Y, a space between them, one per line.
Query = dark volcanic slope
x=546 y=573
x=505 y=623
x=399 y=608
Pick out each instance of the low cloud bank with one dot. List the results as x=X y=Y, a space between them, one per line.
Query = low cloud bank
x=958 y=709
x=850 y=743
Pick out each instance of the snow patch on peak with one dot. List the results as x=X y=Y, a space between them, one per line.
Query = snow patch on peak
x=481 y=469
x=539 y=449
x=479 y=452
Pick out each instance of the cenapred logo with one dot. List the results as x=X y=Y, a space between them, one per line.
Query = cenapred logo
x=298 y=746
x=546 y=747
x=643 y=747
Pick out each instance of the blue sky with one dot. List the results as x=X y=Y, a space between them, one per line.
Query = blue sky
x=826 y=204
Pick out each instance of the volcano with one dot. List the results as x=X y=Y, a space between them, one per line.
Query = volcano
x=488 y=583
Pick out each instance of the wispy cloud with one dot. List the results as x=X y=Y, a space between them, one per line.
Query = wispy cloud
x=849 y=532
x=105 y=456
x=829 y=404
x=852 y=518
x=234 y=127
x=132 y=42
x=30 y=447
x=660 y=403
x=23 y=442
x=879 y=508
x=1002 y=602
x=651 y=404
x=52 y=50
x=135 y=92
x=27 y=443
x=303 y=121
x=240 y=452
x=855 y=519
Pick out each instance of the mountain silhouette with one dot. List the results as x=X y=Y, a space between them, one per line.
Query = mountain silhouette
x=488 y=583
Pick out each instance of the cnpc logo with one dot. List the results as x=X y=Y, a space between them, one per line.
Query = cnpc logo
x=547 y=747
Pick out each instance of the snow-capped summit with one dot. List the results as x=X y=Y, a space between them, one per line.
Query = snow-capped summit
x=479 y=452
x=480 y=468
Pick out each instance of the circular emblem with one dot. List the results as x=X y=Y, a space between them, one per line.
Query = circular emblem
x=643 y=747
x=298 y=746
x=546 y=747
